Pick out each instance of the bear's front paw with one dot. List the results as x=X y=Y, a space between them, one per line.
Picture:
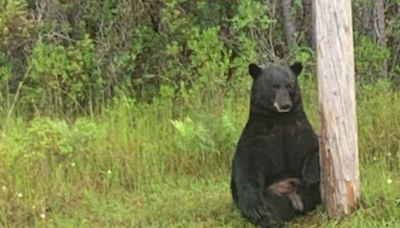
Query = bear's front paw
x=311 y=170
x=253 y=208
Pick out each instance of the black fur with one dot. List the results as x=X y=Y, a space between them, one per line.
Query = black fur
x=277 y=142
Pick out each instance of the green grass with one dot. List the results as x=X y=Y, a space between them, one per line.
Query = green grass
x=167 y=164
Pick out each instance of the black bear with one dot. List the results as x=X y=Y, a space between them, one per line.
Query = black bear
x=277 y=148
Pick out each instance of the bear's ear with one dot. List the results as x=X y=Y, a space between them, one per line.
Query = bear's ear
x=296 y=68
x=254 y=70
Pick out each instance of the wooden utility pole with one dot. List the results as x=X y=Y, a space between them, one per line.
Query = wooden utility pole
x=340 y=178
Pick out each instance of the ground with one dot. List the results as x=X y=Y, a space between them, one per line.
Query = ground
x=206 y=202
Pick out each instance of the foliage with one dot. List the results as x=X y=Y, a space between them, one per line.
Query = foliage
x=369 y=59
x=62 y=77
x=75 y=57
x=16 y=28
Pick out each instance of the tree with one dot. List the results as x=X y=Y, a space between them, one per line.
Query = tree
x=340 y=183
x=288 y=24
x=380 y=31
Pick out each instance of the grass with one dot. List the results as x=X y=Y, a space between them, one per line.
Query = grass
x=167 y=164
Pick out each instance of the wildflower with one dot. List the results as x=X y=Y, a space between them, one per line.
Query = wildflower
x=389 y=181
x=389 y=154
x=33 y=207
x=43 y=215
x=19 y=195
x=374 y=158
x=73 y=164
x=4 y=188
x=109 y=172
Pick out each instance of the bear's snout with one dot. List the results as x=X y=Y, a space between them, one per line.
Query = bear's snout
x=285 y=108
x=282 y=102
x=282 y=107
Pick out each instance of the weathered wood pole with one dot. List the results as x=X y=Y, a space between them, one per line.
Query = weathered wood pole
x=340 y=178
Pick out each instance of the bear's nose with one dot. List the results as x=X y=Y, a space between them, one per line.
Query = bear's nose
x=285 y=107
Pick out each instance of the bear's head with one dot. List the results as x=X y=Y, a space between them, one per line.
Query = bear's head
x=275 y=89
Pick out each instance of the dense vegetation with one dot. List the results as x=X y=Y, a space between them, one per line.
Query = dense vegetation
x=126 y=113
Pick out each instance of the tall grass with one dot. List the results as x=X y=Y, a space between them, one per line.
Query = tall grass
x=167 y=163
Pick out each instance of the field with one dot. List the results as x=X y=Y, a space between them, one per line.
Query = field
x=167 y=164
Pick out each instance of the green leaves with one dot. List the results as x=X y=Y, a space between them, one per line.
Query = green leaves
x=52 y=139
x=62 y=75
x=207 y=135
x=194 y=137
x=369 y=59
x=251 y=14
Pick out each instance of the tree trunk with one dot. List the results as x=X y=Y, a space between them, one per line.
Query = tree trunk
x=309 y=18
x=367 y=18
x=288 y=23
x=379 y=23
x=340 y=182
x=313 y=18
x=380 y=31
x=395 y=44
